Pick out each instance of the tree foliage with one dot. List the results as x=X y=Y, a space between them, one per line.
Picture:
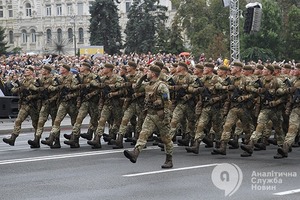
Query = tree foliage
x=3 y=43
x=104 y=26
x=145 y=29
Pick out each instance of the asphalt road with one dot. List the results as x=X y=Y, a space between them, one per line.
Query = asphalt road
x=106 y=174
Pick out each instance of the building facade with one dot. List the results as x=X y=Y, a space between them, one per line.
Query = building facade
x=48 y=26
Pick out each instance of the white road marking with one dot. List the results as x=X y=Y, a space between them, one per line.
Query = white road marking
x=62 y=156
x=287 y=192
x=170 y=170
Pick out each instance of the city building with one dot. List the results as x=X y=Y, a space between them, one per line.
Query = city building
x=45 y=26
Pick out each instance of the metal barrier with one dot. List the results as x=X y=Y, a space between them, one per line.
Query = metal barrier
x=9 y=106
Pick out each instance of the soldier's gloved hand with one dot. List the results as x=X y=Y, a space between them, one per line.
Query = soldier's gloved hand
x=157 y=103
x=241 y=99
x=261 y=90
x=291 y=90
x=230 y=87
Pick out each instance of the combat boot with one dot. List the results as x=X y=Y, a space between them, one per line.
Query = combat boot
x=34 y=143
x=262 y=145
x=234 y=142
x=221 y=150
x=284 y=150
x=119 y=142
x=73 y=142
x=194 y=149
x=49 y=140
x=272 y=141
x=56 y=144
x=296 y=143
x=11 y=140
x=95 y=143
x=209 y=143
x=132 y=155
x=68 y=136
x=168 y=163
x=184 y=141
x=88 y=135
x=248 y=147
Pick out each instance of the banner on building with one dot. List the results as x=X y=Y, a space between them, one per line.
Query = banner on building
x=91 y=50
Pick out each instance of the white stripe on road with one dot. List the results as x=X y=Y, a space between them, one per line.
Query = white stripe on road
x=73 y=155
x=287 y=192
x=170 y=170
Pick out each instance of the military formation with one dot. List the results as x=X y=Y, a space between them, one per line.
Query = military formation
x=241 y=106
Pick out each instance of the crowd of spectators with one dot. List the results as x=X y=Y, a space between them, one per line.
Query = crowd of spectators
x=12 y=66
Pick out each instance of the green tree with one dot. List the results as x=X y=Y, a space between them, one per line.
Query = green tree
x=104 y=26
x=175 y=44
x=3 y=43
x=292 y=50
x=267 y=41
x=144 y=27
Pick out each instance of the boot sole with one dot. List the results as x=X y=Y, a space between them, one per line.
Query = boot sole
x=282 y=153
x=127 y=155
x=245 y=149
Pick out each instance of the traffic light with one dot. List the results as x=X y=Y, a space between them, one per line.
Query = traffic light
x=253 y=17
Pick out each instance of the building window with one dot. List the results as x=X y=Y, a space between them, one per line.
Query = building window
x=58 y=9
x=1 y=11
x=48 y=10
x=80 y=35
x=11 y=37
x=69 y=9
x=59 y=35
x=70 y=35
x=28 y=9
x=33 y=36
x=24 y=36
x=128 y=5
x=10 y=11
x=49 y=36
x=80 y=8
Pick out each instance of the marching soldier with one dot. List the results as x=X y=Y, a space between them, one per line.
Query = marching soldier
x=157 y=102
x=28 y=93
x=48 y=104
x=87 y=103
x=67 y=104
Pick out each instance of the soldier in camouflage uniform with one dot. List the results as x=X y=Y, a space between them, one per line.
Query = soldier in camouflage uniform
x=112 y=107
x=239 y=101
x=67 y=104
x=48 y=102
x=293 y=110
x=27 y=91
x=211 y=100
x=133 y=104
x=271 y=91
x=87 y=102
x=184 y=102
x=157 y=102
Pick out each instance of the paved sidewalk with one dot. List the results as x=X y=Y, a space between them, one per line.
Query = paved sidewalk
x=7 y=125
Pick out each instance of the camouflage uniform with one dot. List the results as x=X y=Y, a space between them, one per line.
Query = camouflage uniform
x=112 y=106
x=27 y=91
x=67 y=105
x=88 y=104
x=48 y=107
x=271 y=102
x=294 y=118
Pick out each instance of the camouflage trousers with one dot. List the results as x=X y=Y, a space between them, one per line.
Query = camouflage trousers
x=240 y=117
x=294 y=125
x=64 y=108
x=46 y=110
x=153 y=122
x=183 y=114
x=90 y=108
x=109 y=111
x=25 y=111
x=134 y=109
x=209 y=114
x=266 y=115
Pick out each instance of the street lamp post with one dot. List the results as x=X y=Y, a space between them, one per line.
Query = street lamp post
x=73 y=21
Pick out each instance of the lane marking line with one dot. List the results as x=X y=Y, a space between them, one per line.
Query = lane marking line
x=287 y=192
x=71 y=155
x=170 y=170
